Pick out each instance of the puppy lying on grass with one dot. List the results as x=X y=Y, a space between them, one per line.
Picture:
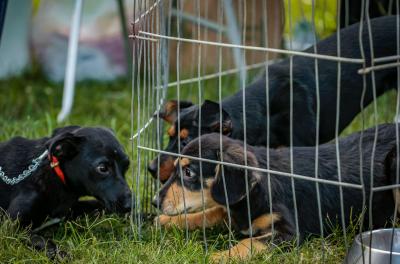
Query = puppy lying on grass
x=276 y=207
x=45 y=177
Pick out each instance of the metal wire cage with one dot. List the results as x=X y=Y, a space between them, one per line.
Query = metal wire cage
x=196 y=50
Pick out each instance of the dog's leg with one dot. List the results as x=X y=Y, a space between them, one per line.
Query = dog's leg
x=23 y=208
x=392 y=171
x=86 y=207
x=213 y=216
x=250 y=246
x=53 y=252
x=262 y=223
x=243 y=250
x=396 y=197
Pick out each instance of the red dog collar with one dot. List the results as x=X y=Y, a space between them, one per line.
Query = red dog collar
x=55 y=165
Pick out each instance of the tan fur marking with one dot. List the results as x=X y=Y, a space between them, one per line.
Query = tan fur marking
x=243 y=250
x=170 y=106
x=264 y=222
x=171 y=131
x=173 y=194
x=184 y=133
x=184 y=162
x=166 y=168
x=213 y=216
x=173 y=202
x=217 y=169
x=170 y=118
x=396 y=197
x=170 y=111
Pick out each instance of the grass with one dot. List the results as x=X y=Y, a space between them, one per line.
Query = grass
x=29 y=106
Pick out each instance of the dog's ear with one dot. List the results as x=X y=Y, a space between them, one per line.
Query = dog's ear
x=170 y=111
x=64 y=145
x=234 y=177
x=65 y=129
x=210 y=115
x=112 y=132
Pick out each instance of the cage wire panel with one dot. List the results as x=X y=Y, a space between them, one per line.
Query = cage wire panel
x=194 y=50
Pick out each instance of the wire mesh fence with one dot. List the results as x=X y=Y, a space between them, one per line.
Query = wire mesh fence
x=270 y=160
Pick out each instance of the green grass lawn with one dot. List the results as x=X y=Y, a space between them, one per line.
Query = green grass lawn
x=29 y=106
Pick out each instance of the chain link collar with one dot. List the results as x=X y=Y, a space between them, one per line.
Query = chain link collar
x=26 y=173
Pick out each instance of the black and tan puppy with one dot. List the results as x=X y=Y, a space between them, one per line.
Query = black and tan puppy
x=304 y=97
x=282 y=213
x=73 y=162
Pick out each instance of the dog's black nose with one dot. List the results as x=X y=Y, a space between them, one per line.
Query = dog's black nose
x=153 y=168
x=127 y=207
x=127 y=202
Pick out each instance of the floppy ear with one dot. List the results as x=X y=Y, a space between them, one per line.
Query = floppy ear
x=170 y=111
x=210 y=115
x=235 y=180
x=65 y=129
x=64 y=145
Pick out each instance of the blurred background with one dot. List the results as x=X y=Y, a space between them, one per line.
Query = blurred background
x=35 y=33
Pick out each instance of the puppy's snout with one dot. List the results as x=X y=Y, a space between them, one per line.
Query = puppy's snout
x=153 y=168
x=126 y=202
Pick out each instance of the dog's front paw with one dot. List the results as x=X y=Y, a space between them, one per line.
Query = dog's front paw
x=219 y=257
x=170 y=221
x=244 y=250
x=226 y=256
x=162 y=220
x=52 y=251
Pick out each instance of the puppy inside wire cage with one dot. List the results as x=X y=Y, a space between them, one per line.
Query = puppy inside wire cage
x=235 y=129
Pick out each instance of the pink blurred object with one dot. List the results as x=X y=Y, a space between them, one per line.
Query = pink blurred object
x=101 y=54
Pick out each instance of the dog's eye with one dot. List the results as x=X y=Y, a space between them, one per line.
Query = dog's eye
x=188 y=172
x=102 y=168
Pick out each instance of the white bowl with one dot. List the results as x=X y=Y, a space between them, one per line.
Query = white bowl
x=377 y=246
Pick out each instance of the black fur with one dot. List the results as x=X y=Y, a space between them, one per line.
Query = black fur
x=376 y=8
x=80 y=151
x=304 y=95
x=384 y=172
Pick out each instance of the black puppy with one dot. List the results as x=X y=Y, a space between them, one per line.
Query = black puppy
x=304 y=98
x=75 y=161
x=175 y=198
